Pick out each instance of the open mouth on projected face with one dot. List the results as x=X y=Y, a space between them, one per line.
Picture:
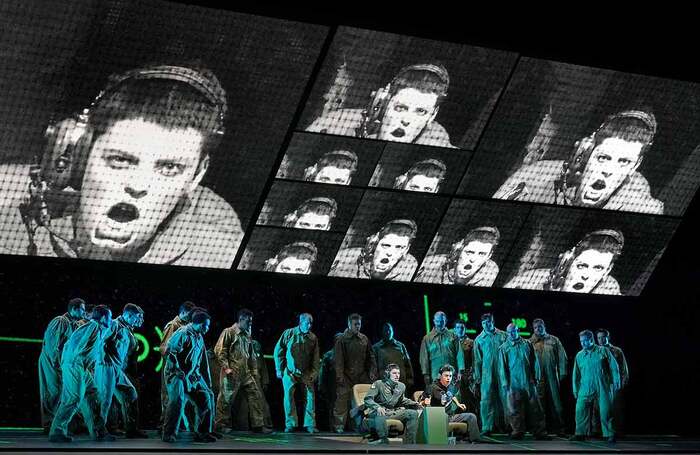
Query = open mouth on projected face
x=123 y=213
x=114 y=231
x=398 y=133
x=578 y=286
x=594 y=192
x=383 y=264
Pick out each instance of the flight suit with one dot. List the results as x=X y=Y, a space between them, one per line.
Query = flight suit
x=437 y=349
x=170 y=328
x=119 y=363
x=486 y=377
x=442 y=396
x=394 y=351
x=553 y=364
x=55 y=336
x=595 y=380
x=618 y=399
x=234 y=350
x=82 y=353
x=467 y=397
x=187 y=379
x=391 y=396
x=520 y=374
x=354 y=364
x=297 y=360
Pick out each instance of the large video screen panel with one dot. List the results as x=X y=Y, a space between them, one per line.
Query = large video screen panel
x=164 y=124
x=583 y=251
x=378 y=73
x=587 y=137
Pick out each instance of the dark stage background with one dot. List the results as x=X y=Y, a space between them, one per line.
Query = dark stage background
x=656 y=330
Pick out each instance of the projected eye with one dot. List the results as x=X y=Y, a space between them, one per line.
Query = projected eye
x=400 y=108
x=598 y=268
x=421 y=111
x=171 y=169
x=582 y=266
x=116 y=161
x=603 y=158
x=624 y=162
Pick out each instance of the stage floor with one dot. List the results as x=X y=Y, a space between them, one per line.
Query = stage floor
x=36 y=442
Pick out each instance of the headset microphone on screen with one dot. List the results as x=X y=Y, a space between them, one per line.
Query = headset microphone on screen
x=373 y=114
x=557 y=274
x=373 y=240
x=573 y=168
x=68 y=141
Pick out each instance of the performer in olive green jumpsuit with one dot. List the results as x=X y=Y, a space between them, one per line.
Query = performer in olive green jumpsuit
x=55 y=336
x=553 y=362
x=81 y=354
x=439 y=347
x=297 y=363
x=486 y=375
x=595 y=380
x=519 y=373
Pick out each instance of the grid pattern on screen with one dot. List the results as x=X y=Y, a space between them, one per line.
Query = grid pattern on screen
x=410 y=159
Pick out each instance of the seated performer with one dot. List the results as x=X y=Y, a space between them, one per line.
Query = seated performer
x=386 y=400
x=445 y=392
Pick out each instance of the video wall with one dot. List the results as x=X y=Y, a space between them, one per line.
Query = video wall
x=178 y=135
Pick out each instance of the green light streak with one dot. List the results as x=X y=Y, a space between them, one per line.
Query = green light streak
x=159 y=332
x=488 y=304
x=525 y=334
x=21 y=428
x=427 y=313
x=146 y=347
x=268 y=356
x=472 y=331
x=20 y=340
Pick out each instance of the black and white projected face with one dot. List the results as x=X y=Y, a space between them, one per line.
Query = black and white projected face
x=587 y=270
x=609 y=165
x=472 y=258
x=422 y=183
x=312 y=220
x=333 y=175
x=408 y=112
x=135 y=175
x=405 y=90
x=293 y=264
x=390 y=249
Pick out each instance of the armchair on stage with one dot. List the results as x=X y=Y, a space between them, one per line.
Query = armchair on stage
x=358 y=414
